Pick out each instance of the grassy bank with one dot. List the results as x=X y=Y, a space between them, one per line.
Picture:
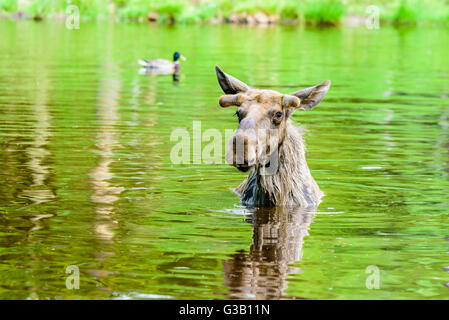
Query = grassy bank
x=316 y=12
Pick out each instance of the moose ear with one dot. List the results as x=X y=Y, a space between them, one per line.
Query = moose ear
x=229 y=84
x=310 y=97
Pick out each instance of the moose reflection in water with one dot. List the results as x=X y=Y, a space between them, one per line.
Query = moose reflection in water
x=278 y=237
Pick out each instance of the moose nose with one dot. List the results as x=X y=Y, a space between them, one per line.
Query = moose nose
x=242 y=151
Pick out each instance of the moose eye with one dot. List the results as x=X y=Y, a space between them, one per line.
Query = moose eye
x=277 y=117
x=279 y=114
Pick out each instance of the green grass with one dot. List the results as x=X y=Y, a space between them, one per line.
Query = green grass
x=290 y=10
x=316 y=12
x=323 y=12
x=43 y=8
x=409 y=12
x=9 y=5
x=420 y=11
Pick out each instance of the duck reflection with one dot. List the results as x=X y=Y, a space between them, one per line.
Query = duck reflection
x=175 y=75
x=278 y=236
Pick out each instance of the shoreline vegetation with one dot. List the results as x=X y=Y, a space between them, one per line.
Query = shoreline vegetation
x=250 y=12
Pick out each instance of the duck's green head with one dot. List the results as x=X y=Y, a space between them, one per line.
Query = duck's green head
x=177 y=56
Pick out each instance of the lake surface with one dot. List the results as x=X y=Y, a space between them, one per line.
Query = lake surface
x=86 y=178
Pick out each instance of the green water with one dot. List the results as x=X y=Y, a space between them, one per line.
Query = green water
x=86 y=178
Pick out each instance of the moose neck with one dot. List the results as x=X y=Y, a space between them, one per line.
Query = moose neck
x=290 y=185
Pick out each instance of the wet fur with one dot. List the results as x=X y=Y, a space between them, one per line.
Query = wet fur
x=291 y=185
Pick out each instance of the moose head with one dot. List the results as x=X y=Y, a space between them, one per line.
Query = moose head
x=263 y=117
x=269 y=144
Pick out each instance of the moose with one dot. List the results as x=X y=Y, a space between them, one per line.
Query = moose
x=267 y=144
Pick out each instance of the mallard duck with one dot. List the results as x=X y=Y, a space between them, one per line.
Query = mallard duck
x=163 y=66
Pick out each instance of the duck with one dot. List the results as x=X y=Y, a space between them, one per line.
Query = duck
x=163 y=66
